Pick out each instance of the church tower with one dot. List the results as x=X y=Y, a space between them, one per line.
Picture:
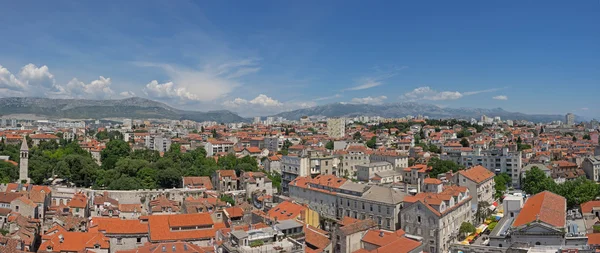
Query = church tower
x=24 y=162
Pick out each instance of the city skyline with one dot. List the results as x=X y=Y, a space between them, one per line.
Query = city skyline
x=267 y=57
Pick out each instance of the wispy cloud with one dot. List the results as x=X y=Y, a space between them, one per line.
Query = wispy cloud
x=585 y=109
x=369 y=100
x=328 y=97
x=202 y=84
x=500 y=97
x=375 y=80
x=427 y=93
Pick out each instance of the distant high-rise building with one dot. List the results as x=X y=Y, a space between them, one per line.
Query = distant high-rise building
x=570 y=119
x=257 y=120
x=13 y=123
x=127 y=123
x=270 y=121
x=336 y=127
x=3 y=123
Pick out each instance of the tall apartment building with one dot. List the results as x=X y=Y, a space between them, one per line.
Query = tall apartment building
x=497 y=161
x=214 y=147
x=336 y=127
x=158 y=143
x=304 y=166
x=273 y=143
x=570 y=119
x=349 y=158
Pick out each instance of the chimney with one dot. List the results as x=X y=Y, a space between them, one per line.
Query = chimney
x=61 y=238
x=381 y=233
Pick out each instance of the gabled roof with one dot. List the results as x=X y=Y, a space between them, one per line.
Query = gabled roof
x=587 y=207
x=119 y=226
x=160 y=227
x=285 y=210
x=546 y=207
x=477 y=174
x=75 y=241
x=203 y=182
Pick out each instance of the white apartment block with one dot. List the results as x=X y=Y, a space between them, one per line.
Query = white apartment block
x=591 y=166
x=213 y=147
x=497 y=161
x=158 y=143
x=336 y=127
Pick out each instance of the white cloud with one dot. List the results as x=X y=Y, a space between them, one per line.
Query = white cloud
x=500 y=97
x=261 y=100
x=369 y=100
x=168 y=90
x=585 y=109
x=427 y=93
x=39 y=81
x=97 y=89
x=264 y=105
x=127 y=94
x=9 y=81
x=204 y=84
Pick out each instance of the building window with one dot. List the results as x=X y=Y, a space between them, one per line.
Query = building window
x=419 y=219
x=119 y=241
x=138 y=240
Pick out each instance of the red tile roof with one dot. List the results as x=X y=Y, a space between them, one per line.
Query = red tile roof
x=546 y=207
x=432 y=181
x=119 y=226
x=75 y=241
x=587 y=207
x=477 y=174
x=285 y=211
x=197 y=182
x=79 y=200
x=160 y=227
x=172 y=247
x=43 y=136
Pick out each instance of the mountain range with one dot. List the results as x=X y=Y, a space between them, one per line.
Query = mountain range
x=136 y=108
x=398 y=110
x=141 y=108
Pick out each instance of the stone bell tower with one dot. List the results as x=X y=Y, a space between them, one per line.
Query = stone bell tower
x=24 y=163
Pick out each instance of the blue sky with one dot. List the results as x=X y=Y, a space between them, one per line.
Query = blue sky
x=262 y=57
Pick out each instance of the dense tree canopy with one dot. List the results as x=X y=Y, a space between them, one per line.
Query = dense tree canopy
x=575 y=191
x=500 y=184
x=121 y=168
x=441 y=166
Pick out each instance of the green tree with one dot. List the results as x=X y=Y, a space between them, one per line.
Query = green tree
x=115 y=148
x=463 y=133
x=329 y=145
x=464 y=142
x=357 y=136
x=372 y=142
x=125 y=183
x=227 y=199
x=466 y=228
x=536 y=181
x=587 y=137
x=500 y=184
x=439 y=166
x=574 y=139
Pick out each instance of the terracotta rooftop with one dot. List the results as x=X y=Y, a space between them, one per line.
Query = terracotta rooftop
x=285 y=210
x=197 y=182
x=477 y=174
x=546 y=207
